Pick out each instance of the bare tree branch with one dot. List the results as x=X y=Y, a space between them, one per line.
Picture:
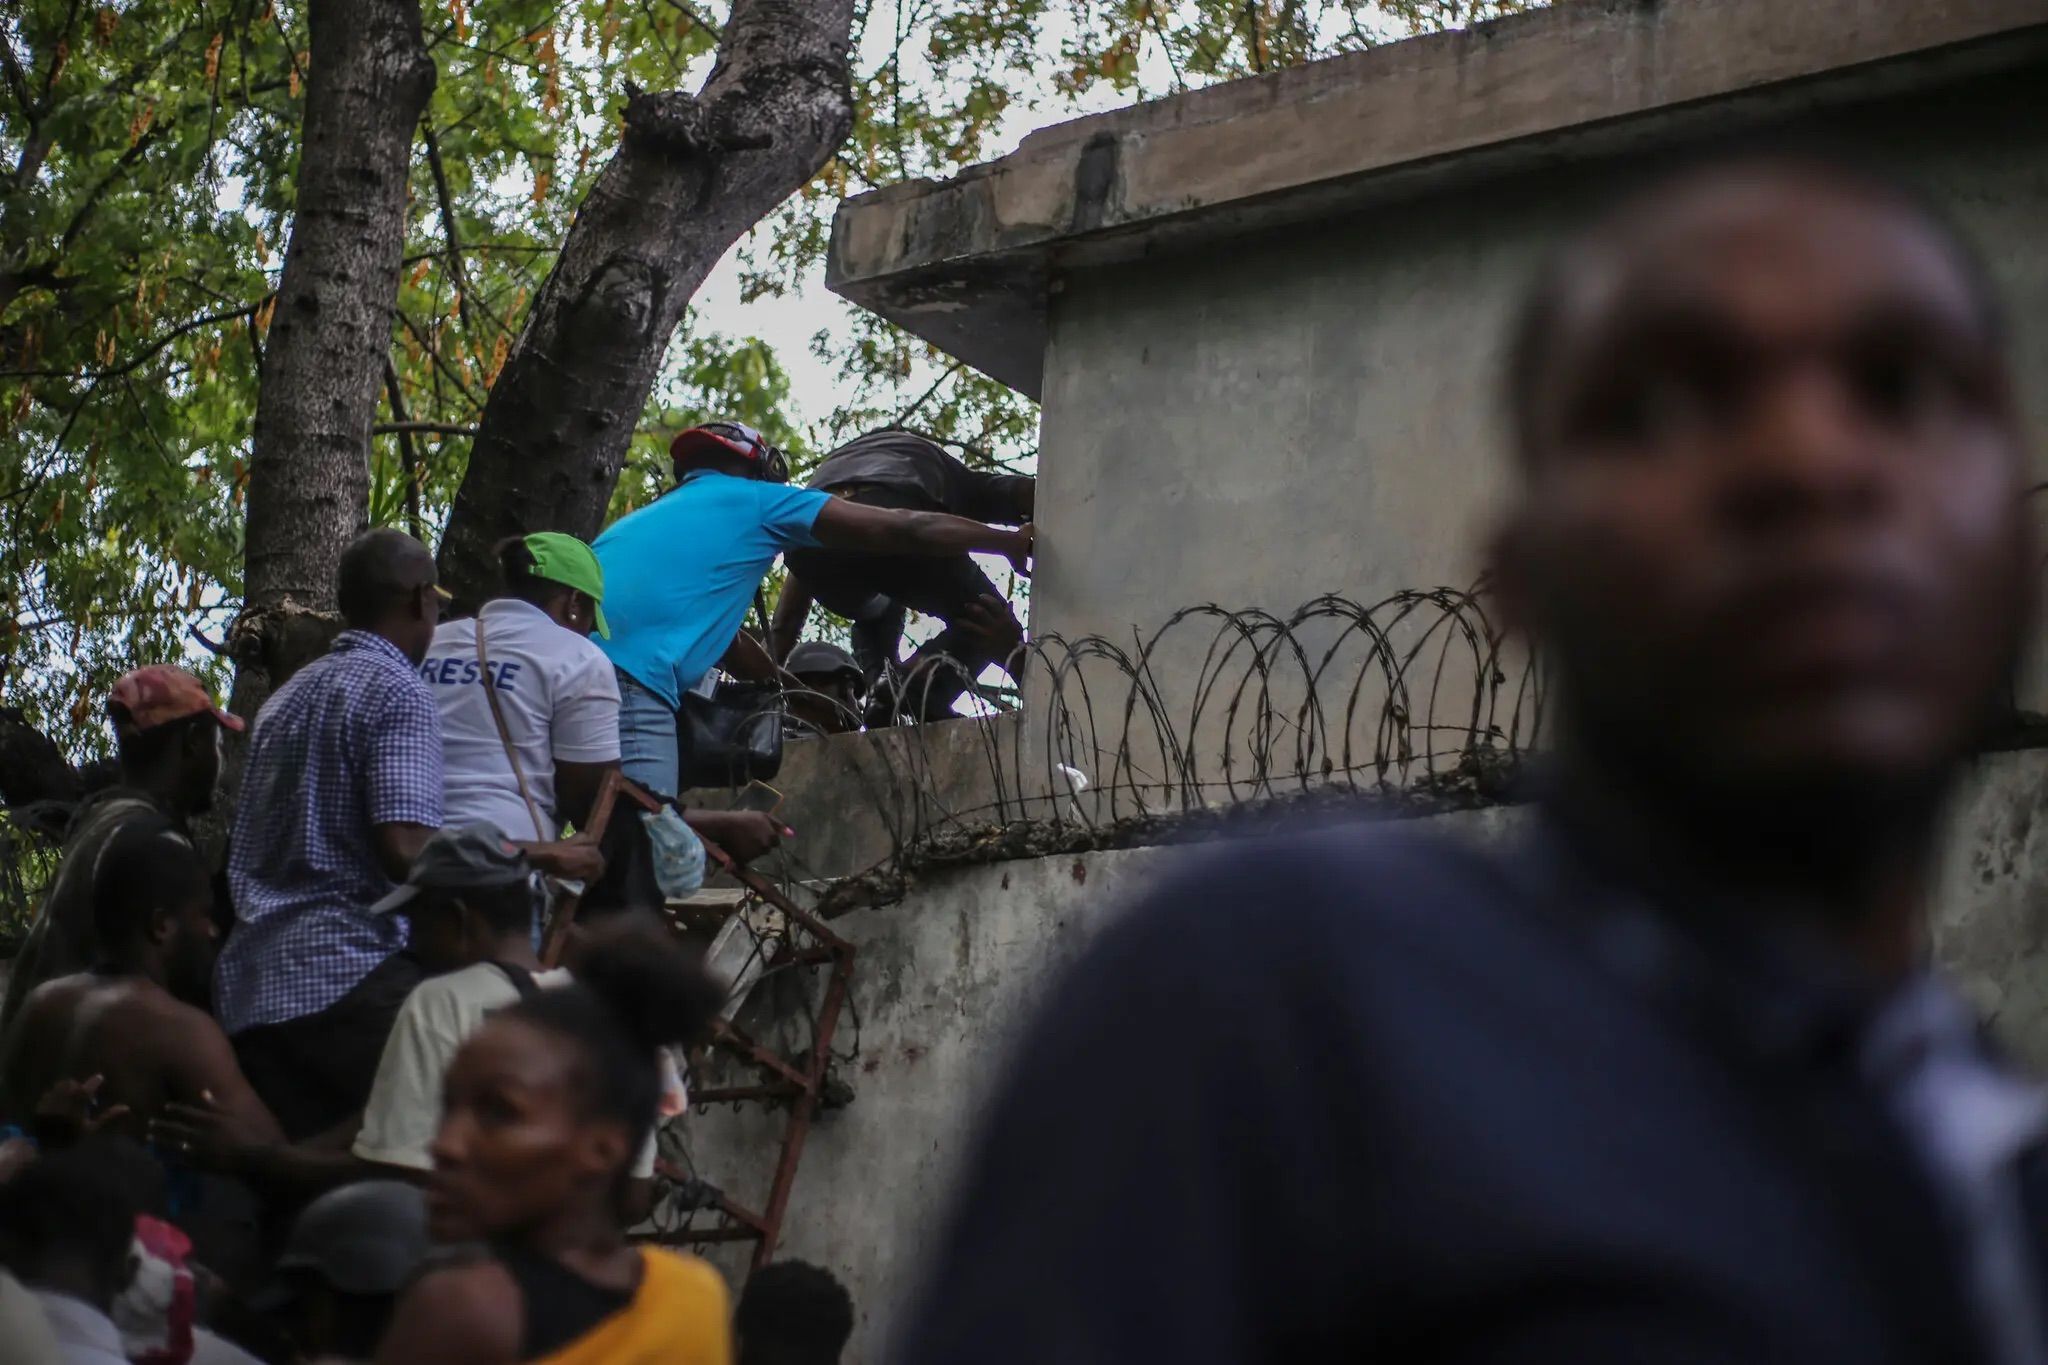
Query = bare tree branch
x=441 y=366
x=448 y=230
x=926 y=396
x=407 y=428
x=408 y=460
x=148 y=352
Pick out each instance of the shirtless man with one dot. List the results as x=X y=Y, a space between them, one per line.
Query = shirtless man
x=124 y=1018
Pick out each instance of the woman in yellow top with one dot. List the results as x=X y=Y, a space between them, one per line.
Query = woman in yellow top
x=543 y=1110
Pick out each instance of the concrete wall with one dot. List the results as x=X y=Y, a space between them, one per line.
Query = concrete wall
x=855 y=799
x=1991 y=899
x=1314 y=411
x=945 y=979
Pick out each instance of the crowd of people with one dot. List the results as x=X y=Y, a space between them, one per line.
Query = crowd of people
x=1663 y=1074
x=349 y=1024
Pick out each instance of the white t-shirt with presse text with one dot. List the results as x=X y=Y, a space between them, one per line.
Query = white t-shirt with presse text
x=560 y=696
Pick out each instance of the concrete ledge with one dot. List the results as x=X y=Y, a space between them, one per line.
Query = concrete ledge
x=967 y=263
x=854 y=800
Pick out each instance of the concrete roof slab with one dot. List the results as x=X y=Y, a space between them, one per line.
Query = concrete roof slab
x=967 y=263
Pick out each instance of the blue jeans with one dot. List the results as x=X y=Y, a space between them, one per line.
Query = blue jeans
x=647 y=738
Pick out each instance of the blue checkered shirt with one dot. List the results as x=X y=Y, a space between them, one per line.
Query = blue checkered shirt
x=351 y=742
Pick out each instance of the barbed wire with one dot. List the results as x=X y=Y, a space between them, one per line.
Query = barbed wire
x=1215 y=708
x=1213 y=713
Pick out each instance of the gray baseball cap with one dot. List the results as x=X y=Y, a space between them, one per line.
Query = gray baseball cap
x=818 y=656
x=365 y=1239
x=466 y=858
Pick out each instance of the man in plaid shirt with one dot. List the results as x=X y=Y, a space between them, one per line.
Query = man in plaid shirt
x=342 y=789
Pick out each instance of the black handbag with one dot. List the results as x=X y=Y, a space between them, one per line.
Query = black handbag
x=732 y=737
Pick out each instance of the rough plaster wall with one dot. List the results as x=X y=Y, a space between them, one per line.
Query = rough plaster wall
x=1315 y=411
x=944 y=979
x=940 y=982
x=1991 y=898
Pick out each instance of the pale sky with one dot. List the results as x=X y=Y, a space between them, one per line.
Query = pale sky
x=789 y=322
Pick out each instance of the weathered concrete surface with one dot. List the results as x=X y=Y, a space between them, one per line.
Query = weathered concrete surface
x=966 y=262
x=854 y=800
x=941 y=982
x=1316 y=411
x=1991 y=898
x=946 y=978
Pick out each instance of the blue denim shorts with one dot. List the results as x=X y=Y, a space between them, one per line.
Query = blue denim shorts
x=647 y=738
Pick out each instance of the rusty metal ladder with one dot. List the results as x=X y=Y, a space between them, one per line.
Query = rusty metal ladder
x=798 y=1082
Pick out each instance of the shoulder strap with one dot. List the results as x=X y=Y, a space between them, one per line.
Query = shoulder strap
x=521 y=979
x=483 y=666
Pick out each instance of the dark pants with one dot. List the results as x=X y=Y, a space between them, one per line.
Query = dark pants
x=876 y=591
x=316 y=1070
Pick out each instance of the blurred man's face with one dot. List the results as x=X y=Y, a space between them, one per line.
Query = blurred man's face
x=1772 y=537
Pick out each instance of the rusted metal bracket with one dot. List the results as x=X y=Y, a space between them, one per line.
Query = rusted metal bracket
x=798 y=1082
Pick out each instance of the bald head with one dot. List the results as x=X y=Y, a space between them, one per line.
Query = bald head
x=1769 y=532
x=386 y=586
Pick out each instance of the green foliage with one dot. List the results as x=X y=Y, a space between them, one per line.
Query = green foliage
x=131 y=294
x=710 y=376
x=148 y=153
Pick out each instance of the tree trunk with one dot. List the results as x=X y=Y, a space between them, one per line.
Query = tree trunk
x=368 y=79
x=692 y=173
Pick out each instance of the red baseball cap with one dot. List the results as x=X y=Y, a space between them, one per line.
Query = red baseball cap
x=162 y=693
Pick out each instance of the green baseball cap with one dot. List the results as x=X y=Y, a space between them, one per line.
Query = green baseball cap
x=561 y=558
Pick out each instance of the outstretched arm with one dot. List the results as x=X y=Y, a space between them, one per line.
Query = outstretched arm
x=792 y=609
x=747 y=658
x=844 y=525
x=205 y=1136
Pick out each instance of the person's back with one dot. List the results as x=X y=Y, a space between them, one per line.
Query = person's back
x=680 y=573
x=126 y=1029
x=24 y=1327
x=60 y=942
x=301 y=858
x=910 y=464
x=342 y=786
x=442 y=1011
x=556 y=691
x=902 y=471
x=559 y=698
x=66 y=1226
x=127 y=1020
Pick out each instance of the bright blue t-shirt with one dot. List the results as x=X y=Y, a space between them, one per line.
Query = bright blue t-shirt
x=680 y=573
